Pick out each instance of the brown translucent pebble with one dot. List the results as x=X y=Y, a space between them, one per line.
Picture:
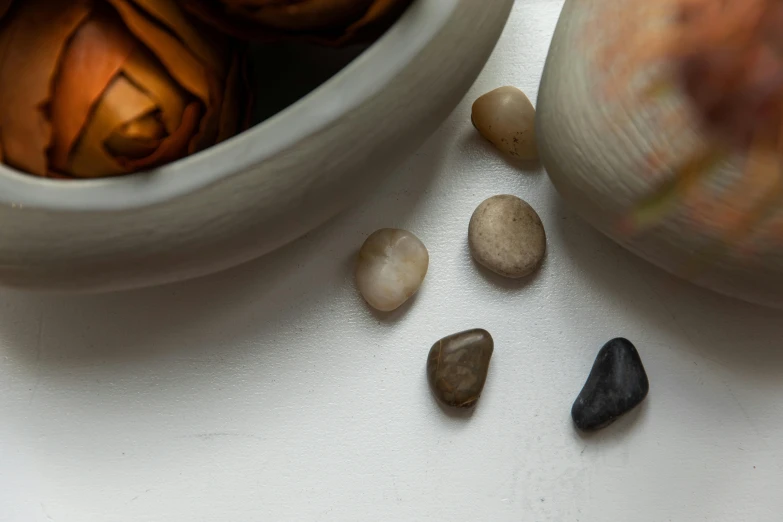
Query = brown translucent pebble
x=506 y=117
x=457 y=367
x=506 y=236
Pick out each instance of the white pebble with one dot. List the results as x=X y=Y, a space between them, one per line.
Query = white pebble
x=391 y=267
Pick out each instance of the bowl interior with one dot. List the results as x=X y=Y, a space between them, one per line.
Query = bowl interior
x=284 y=73
x=298 y=102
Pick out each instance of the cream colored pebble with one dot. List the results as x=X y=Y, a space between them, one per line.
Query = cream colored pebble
x=506 y=118
x=391 y=267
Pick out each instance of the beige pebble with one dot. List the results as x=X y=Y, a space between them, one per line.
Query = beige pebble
x=391 y=267
x=506 y=118
x=507 y=236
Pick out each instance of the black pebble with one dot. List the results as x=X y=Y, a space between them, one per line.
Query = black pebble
x=616 y=385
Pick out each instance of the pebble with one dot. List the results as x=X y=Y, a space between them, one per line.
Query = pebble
x=457 y=367
x=507 y=236
x=616 y=385
x=391 y=267
x=506 y=118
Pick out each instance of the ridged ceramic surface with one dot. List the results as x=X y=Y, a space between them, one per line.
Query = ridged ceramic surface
x=608 y=155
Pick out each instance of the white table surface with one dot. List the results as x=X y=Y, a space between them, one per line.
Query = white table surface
x=271 y=392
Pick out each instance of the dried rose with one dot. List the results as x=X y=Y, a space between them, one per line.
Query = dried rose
x=323 y=21
x=92 y=88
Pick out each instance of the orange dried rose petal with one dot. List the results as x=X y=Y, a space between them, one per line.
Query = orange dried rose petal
x=144 y=70
x=181 y=63
x=210 y=51
x=175 y=146
x=95 y=55
x=121 y=104
x=31 y=45
x=137 y=139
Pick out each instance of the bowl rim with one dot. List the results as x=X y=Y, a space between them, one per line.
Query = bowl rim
x=348 y=89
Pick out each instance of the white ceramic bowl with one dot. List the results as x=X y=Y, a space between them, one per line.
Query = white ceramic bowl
x=262 y=189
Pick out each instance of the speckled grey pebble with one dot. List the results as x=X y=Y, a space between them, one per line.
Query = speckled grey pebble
x=507 y=236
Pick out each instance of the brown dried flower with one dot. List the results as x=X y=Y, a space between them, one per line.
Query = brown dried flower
x=92 y=88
